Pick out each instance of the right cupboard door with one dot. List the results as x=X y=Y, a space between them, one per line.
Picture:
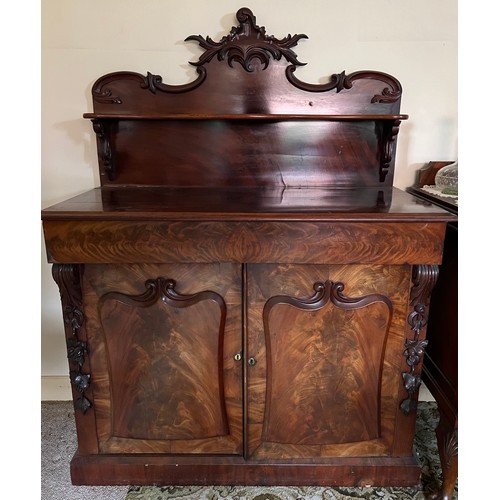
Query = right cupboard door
x=324 y=351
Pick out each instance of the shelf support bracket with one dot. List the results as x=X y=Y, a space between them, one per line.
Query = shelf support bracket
x=103 y=129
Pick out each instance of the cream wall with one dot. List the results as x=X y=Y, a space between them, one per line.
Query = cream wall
x=84 y=39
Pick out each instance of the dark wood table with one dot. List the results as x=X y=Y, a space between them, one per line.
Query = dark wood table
x=440 y=370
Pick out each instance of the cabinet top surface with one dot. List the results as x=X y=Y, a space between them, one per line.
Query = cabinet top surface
x=321 y=204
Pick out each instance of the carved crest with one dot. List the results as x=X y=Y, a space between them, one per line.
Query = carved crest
x=248 y=45
x=247 y=42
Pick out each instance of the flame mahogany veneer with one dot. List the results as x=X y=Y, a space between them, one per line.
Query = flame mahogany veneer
x=245 y=296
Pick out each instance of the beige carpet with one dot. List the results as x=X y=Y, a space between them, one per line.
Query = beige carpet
x=58 y=448
x=59 y=445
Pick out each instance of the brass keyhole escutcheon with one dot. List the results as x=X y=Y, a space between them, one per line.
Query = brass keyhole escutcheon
x=252 y=361
x=237 y=357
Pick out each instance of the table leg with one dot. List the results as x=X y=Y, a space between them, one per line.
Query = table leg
x=447 y=439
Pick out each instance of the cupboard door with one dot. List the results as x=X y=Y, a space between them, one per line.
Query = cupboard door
x=325 y=343
x=162 y=341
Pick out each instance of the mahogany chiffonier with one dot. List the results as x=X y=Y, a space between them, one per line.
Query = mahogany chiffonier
x=245 y=296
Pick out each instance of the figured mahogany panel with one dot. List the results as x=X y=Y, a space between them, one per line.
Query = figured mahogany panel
x=249 y=241
x=324 y=361
x=285 y=154
x=158 y=391
x=165 y=377
x=327 y=373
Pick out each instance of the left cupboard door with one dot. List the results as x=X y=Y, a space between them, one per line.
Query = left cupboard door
x=163 y=344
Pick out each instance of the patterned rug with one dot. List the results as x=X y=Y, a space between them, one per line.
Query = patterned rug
x=425 y=446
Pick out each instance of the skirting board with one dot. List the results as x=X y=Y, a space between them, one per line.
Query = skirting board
x=55 y=388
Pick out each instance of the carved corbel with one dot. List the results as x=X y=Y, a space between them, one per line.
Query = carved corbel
x=424 y=278
x=389 y=134
x=67 y=277
x=102 y=128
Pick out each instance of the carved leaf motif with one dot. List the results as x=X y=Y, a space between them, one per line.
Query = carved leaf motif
x=77 y=351
x=424 y=278
x=408 y=405
x=67 y=277
x=414 y=351
x=83 y=404
x=81 y=381
x=73 y=317
x=411 y=382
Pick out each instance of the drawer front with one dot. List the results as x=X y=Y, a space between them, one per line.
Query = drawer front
x=301 y=242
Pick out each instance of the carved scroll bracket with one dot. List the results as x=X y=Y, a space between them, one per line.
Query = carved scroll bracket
x=67 y=278
x=102 y=129
x=388 y=147
x=424 y=278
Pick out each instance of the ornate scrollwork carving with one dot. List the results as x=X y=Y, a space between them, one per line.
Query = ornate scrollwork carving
x=103 y=94
x=341 y=81
x=324 y=293
x=67 y=277
x=155 y=82
x=387 y=96
x=246 y=42
x=424 y=278
x=338 y=82
x=164 y=289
